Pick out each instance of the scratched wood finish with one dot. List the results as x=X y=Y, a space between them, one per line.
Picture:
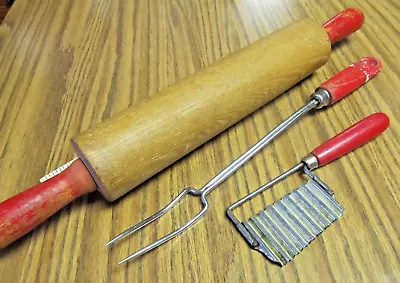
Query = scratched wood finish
x=66 y=65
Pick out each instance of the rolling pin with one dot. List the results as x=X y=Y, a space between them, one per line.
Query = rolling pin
x=122 y=152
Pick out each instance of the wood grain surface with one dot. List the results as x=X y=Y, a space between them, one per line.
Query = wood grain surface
x=66 y=65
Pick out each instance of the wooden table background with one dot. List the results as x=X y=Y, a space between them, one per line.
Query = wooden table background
x=67 y=64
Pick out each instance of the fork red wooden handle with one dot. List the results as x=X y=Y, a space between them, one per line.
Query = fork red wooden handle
x=344 y=24
x=351 y=138
x=351 y=78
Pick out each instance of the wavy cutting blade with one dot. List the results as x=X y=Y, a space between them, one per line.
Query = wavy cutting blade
x=285 y=228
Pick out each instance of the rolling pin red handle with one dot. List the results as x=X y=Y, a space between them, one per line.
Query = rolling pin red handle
x=23 y=212
x=343 y=24
x=351 y=138
x=351 y=78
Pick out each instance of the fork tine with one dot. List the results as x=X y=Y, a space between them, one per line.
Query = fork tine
x=169 y=236
x=149 y=219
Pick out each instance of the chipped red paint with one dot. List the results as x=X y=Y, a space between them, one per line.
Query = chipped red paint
x=344 y=24
x=351 y=138
x=23 y=212
x=351 y=78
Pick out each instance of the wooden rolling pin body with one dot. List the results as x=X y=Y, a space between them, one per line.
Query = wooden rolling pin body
x=132 y=146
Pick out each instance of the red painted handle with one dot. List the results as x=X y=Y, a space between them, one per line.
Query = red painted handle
x=351 y=138
x=344 y=24
x=23 y=212
x=351 y=78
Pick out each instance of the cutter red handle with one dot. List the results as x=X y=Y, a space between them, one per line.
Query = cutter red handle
x=343 y=24
x=351 y=78
x=351 y=138
x=23 y=212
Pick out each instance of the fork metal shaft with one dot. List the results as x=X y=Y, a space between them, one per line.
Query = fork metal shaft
x=239 y=162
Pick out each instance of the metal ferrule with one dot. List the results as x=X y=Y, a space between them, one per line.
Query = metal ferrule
x=311 y=161
x=323 y=97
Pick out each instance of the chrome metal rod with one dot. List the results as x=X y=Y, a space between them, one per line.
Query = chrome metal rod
x=239 y=225
x=235 y=165
x=267 y=186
